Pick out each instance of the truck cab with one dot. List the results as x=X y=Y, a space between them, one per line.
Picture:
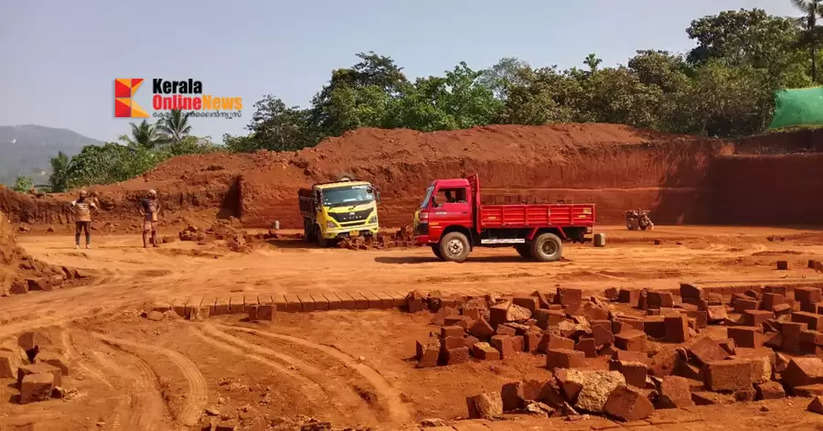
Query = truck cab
x=448 y=203
x=339 y=210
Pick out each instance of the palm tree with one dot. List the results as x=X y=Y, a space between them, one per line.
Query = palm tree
x=142 y=135
x=811 y=31
x=174 y=126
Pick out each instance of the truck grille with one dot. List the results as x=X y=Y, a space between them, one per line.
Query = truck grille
x=350 y=216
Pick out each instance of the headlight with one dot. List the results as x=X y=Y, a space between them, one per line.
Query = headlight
x=330 y=224
x=372 y=219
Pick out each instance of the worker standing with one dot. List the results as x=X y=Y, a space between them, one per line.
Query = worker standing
x=82 y=217
x=150 y=210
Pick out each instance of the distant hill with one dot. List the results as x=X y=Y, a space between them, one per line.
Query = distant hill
x=26 y=150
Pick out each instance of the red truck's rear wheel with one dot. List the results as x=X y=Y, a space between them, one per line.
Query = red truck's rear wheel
x=454 y=247
x=547 y=247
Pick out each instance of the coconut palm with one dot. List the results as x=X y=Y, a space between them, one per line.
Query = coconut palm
x=174 y=126
x=811 y=31
x=143 y=135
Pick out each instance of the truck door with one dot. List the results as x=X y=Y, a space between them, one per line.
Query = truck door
x=449 y=206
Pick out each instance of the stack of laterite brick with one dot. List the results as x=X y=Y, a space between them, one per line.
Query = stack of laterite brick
x=37 y=365
x=663 y=349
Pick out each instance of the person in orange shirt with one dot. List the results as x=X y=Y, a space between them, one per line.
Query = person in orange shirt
x=82 y=207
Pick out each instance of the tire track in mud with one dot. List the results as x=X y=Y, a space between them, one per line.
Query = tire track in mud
x=336 y=390
x=388 y=396
x=234 y=345
x=197 y=390
x=142 y=406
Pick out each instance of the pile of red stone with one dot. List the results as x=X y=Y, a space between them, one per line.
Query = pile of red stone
x=403 y=237
x=37 y=366
x=661 y=349
x=20 y=273
x=223 y=229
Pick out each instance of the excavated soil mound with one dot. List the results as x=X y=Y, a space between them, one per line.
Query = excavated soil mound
x=615 y=166
x=19 y=272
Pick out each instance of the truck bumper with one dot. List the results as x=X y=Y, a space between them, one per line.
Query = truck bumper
x=345 y=232
x=424 y=240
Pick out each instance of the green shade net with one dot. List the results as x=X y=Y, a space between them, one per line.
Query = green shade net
x=798 y=107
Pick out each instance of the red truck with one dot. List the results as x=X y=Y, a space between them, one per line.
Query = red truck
x=452 y=221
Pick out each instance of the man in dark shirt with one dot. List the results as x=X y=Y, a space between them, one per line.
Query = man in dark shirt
x=150 y=210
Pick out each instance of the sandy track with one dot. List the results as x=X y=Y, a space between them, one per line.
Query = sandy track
x=389 y=396
x=196 y=397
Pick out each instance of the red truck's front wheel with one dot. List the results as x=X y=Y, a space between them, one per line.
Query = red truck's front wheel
x=454 y=247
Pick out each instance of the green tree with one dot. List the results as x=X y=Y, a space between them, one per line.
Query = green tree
x=23 y=184
x=457 y=100
x=275 y=126
x=541 y=96
x=502 y=75
x=143 y=135
x=357 y=96
x=174 y=126
x=58 y=180
x=811 y=31
x=593 y=62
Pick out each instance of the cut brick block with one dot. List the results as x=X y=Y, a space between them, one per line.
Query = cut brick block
x=564 y=358
x=634 y=372
x=790 y=336
x=629 y=356
x=770 y=300
x=691 y=293
x=452 y=331
x=504 y=344
x=706 y=350
x=485 y=352
x=746 y=336
x=428 y=351
x=506 y=330
x=728 y=375
x=485 y=406
x=816 y=406
x=657 y=299
x=36 y=387
x=717 y=313
x=587 y=346
x=39 y=368
x=54 y=359
x=531 y=341
x=455 y=355
x=518 y=343
x=743 y=303
x=630 y=340
x=529 y=302
x=291 y=304
x=756 y=317
x=9 y=362
x=803 y=371
x=550 y=341
x=770 y=390
x=569 y=297
x=812 y=320
x=461 y=321
x=807 y=295
x=628 y=404
x=676 y=328
x=631 y=297
x=548 y=318
x=675 y=393
x=655 y=326
x=321 y=303
x=481 y=329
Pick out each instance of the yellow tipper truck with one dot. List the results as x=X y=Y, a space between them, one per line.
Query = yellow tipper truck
x=337 y=210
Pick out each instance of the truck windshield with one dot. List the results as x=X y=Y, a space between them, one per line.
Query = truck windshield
x=348 y=195
x=428 y=197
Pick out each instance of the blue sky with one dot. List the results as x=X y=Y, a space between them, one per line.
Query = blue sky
x=59 y=58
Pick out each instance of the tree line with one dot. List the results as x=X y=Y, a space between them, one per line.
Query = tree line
x=723 y=87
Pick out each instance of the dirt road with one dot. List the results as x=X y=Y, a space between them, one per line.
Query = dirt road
x=348 y=367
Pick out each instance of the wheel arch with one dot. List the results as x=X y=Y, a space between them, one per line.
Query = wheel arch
x=462 y=229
